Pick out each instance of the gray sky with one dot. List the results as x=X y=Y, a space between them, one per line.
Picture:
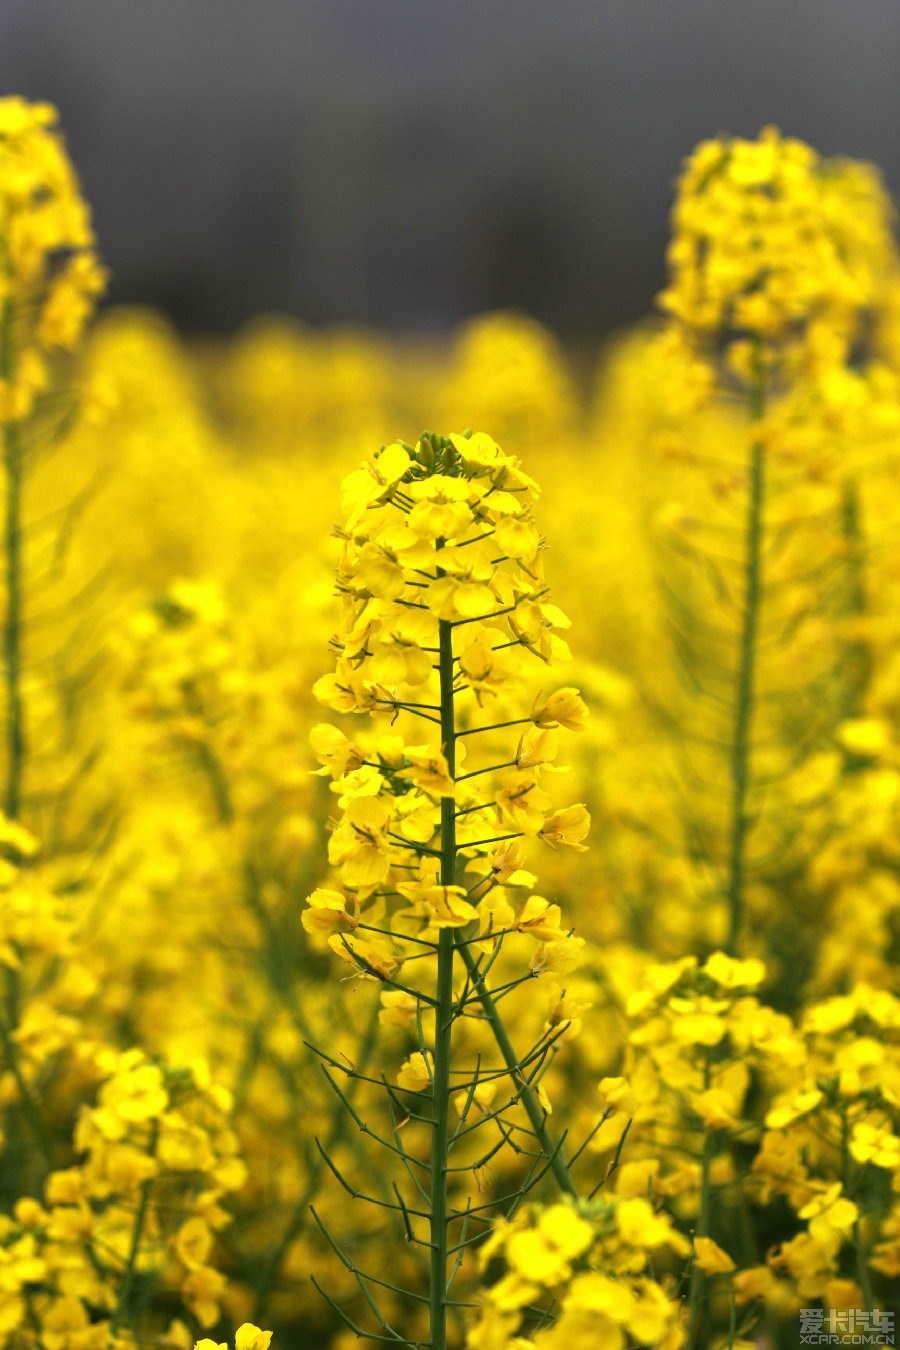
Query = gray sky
x=408 y=162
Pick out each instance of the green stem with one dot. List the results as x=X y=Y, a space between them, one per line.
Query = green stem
x=443 y=1016
x=272 y=1269
x=32 y=1114
x=12 y=625
x=740 y=750
x=12 y=660
x=862 y=1268
x=859 y=1249
x=552 y=1150
x=856 y=660
x=698 y=1279
x=212 y=766
x=124 y=1299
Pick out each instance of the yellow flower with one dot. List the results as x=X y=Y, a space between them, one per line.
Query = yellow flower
x=249 y=1337
x=335 y=752
x=710 y=1257
x=873 y=1142
x=517 y=539
x=368 y=958
x=374 y=482
x=506 y=864
x=566 y=1229
x=428 y=769
x=539 y=919
x=522 y=802
x=192 y=1243
x=133 y=1094
x=793 y=1108
x=558 y=957
x=415 y=1074
x=867 y=737
x=536 y=747
x=327 y=913
x=733 y=974
x=446 y=906
x=753 y=1283
x=360 y=845
x=563 y=708
x=698 y=1021
x=544 y=1254
x=398 y=1008
x=202 y=1291
x=568 y=827
x=488 y=670
x=619 y=1093
x=346 y=690
x=443 y=512
x=639 y=1226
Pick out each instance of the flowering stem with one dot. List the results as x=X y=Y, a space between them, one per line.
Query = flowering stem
x=443 y=1017
x=740 y=751
x=12 y=627
x=15 y=739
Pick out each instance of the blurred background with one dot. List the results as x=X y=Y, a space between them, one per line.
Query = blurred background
x=407 y=163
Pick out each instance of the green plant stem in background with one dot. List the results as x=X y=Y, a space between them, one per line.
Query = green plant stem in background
x=12 y=624
x=300 y=1212
x=122 y=1312
x=856 y=661
x=704 y=1224
x=698 y=1279
x=859 y=1247
x=745 y=687
x=15 y=738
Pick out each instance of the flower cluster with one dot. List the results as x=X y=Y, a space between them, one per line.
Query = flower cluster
x=441 y=570
x=49 y=274
x=247 y=1337
x=141 y=1209
x=592 y=1264
x=774 y=245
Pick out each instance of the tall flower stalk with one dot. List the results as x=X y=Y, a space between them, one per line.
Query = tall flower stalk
x=777 y=260
x=49 y=280
x=746 y=667
x=774 y=277
x=12 y=624
x=442 y=584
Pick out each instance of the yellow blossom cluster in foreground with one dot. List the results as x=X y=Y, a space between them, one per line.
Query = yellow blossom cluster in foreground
x=389 y=945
